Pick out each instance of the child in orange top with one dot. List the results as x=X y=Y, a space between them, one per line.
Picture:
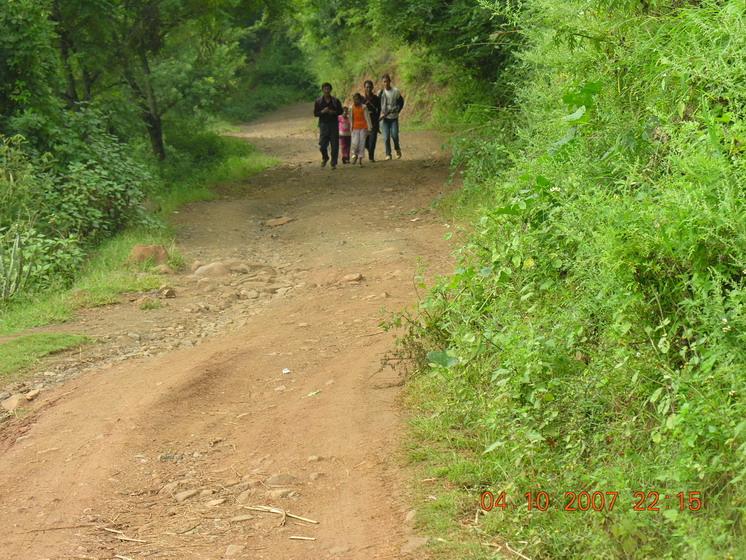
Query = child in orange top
x=361 y=127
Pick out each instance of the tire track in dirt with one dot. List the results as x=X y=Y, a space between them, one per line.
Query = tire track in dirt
x=159 y=456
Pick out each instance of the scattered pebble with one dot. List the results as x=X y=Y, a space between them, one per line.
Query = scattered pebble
x=185 y=495
x=282 y=480
x=355 y=277
x=233 y=550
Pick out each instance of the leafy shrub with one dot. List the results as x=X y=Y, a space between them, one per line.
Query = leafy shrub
x=56 y=206
x=593 y=335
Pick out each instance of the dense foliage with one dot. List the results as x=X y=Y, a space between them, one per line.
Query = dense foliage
x=104 y=103
x=594 y=335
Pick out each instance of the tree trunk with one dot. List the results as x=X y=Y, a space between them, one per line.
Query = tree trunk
x=152 y=115
x=65 y=46
x=155 y=131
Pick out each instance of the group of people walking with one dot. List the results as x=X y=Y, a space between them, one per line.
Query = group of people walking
x=354 y=130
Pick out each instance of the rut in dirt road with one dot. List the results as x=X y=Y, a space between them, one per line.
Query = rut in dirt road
x=281 y=404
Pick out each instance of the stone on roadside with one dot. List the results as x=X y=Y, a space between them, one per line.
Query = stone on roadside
x=156 y=254
x=233 y=550
x=11 y=403
x=167 y=291
x=215 y=503
x=282 y=480
x=195 y=265
x=244 y=497
x=355 y=277
x=212 y=270
x=185 y=495
x=31 y=395
x=170 y=487
x=281 y=493
x=206 y=284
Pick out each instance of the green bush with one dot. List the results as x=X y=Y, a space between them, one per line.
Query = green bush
x=593 y=336
x=56 y=207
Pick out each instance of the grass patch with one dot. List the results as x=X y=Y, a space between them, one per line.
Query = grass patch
x=203 y=162
x=25 y=351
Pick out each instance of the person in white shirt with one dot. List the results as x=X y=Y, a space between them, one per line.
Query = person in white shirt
x=392 y=103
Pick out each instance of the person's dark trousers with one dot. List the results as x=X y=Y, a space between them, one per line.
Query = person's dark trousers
x=390 y=129
x=329 y=134
x=370 y=144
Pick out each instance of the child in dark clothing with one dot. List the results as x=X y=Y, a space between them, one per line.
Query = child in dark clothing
x=373 y=103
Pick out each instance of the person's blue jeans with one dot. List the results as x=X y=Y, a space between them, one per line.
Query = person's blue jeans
x=390 y=129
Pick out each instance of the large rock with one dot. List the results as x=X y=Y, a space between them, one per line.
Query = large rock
x=11 y=403
x=156 y=254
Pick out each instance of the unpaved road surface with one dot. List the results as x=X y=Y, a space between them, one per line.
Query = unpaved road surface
x=259 y=387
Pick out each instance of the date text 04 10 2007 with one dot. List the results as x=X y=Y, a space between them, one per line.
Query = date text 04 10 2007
x=595 y=501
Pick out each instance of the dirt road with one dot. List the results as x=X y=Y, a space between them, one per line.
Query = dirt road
x=257 y=387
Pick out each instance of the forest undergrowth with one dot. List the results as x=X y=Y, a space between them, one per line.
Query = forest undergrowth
x=591 y=344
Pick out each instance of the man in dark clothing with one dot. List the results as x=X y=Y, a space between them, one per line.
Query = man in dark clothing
x=373 y=103
x=328 y=109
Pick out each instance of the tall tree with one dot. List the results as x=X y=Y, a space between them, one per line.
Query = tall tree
x=28 y=62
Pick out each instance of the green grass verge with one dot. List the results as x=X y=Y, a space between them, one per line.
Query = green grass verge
x=204 y=162
x=24 y=351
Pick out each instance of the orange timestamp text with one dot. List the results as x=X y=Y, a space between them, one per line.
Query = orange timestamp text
x=600 y=501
